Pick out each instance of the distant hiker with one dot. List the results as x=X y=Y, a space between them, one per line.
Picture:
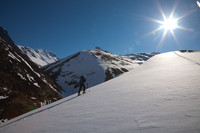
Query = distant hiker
x=82 y=84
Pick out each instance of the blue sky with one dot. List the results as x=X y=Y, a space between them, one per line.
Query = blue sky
x=118 y=26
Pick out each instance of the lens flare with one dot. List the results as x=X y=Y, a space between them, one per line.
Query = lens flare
x=169 y=24
x=198 y=4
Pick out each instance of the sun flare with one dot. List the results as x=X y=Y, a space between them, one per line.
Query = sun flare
x=169 y=24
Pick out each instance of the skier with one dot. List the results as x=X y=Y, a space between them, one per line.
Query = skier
x=82 y=84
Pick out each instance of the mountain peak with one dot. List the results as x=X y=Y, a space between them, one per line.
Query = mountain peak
x=96 y=65
x=98 y=48
x=39 y=56
x=4 y=36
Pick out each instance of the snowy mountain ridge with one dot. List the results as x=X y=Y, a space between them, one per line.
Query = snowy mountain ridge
x=140 y=57
x=160 y=96
x=39 y=56
x=96 y=65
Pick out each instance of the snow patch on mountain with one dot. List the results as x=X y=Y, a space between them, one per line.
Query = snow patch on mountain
x=39 y=56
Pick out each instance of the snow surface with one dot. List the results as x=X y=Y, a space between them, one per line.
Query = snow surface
x=39 y=56
x=3 y=97
x=36 y=84
x=160 y=96
x=5 y=89
x=191 y=56
x=22 y=77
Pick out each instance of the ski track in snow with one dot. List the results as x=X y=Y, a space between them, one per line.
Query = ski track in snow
x=187 y=58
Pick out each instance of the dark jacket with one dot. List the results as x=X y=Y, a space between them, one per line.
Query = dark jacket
x=82 y=80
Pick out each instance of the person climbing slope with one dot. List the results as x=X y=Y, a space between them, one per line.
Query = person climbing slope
x=82 y=84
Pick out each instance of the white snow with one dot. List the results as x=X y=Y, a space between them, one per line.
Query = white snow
x=45 y=81
x=3 y=97
x=30 y=78
x=5 y=89
x=45 y=103
x=160 y=96
x=36 y=84
x=13 y=56
x=33 y=98
x=29 y=66
x=52 y=87
x=22 y=77
x=39 y=56
x=192 y=56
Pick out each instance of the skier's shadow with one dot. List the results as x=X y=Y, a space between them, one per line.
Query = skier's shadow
x=39 y=111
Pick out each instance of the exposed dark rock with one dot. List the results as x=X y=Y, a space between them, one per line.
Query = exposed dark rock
x=108 y=75
x=23 y=86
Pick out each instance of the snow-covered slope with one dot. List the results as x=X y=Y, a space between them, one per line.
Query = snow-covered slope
x=160 y=96
x=39 y=56
x=96 y=65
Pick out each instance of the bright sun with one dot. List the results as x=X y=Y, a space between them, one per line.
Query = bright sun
x=169 y=24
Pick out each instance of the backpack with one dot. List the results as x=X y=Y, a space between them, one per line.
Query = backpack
x=82 y=80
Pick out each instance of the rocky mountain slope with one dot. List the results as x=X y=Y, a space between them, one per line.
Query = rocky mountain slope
x=140 y=57
x=96 y=65
x=23 y=87
x=4 y=36
x=39 y=56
